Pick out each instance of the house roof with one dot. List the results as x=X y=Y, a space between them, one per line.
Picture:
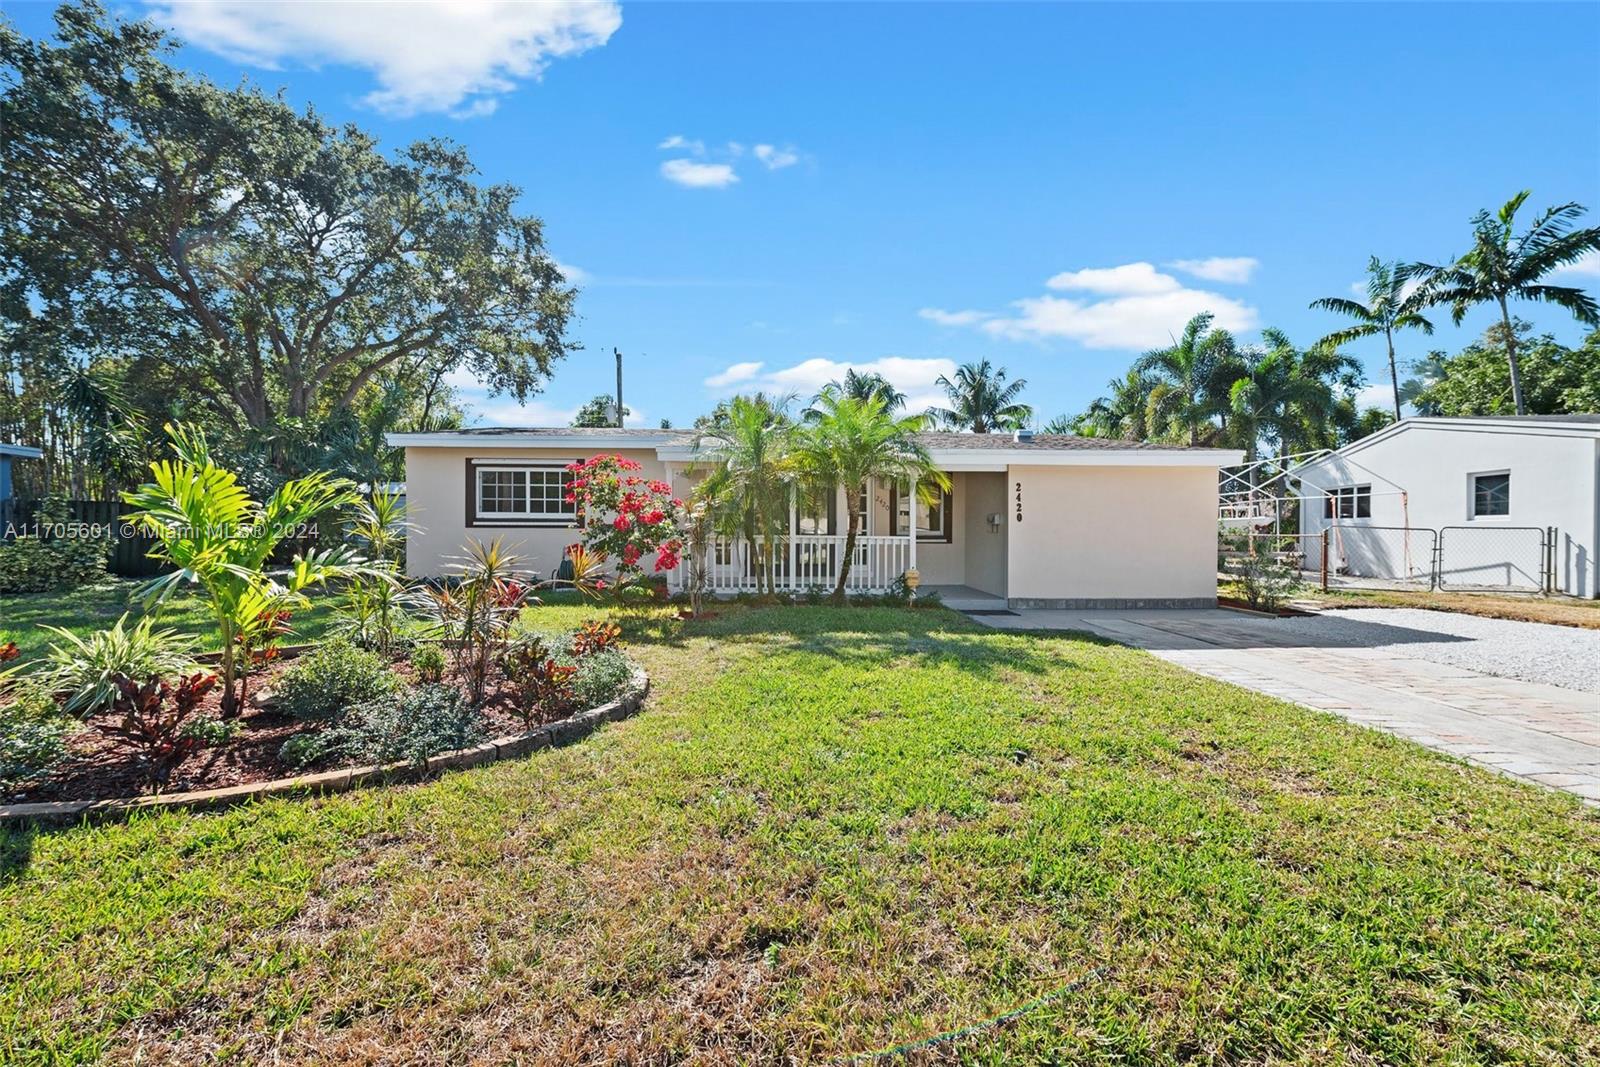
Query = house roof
x=954 y=451
x=1541 y=425
x=20 y=451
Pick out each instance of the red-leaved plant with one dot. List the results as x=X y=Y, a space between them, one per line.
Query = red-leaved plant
x=541 y=687
x=595 y=637
x=155 y=719
x=627 y=516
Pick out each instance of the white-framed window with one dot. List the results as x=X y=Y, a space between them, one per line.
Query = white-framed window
x=1348 y=502
x=1491 y=494
x=933 y=520
x=519 y=494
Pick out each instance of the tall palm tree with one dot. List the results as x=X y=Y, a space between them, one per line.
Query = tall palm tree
x=982 y=400
x=862 y=385
x=750 y=446
x=1501 y=267
x=856 y=439
x=1192 y=379
x=1387 y=309
x=1123 y=412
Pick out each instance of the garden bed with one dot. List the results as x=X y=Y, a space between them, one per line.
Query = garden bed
x=98 y=768
x=1235 y=604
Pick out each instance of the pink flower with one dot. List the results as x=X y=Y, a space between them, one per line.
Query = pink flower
x=630 y=554
x=622 y=522
x=660 y=487
x=653 y=516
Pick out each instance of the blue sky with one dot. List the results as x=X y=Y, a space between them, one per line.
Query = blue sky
x=757 y=195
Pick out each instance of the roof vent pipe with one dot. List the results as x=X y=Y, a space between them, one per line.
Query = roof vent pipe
x=1022 y=437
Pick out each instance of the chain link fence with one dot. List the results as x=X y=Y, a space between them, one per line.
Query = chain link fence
x=1494 y=557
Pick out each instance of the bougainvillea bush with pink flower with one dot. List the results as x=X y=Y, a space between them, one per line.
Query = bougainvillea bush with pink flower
x=626 y=516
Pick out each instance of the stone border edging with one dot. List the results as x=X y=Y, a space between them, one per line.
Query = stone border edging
x=551 y=735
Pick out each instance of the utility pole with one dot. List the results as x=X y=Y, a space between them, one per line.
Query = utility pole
x=618 y=353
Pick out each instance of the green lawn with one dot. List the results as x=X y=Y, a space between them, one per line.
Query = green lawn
x=95 y=607
x=831 y=831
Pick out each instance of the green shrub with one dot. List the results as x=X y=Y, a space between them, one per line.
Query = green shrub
x=33 y=735
x=602 y=677
x=418 y=723
x=87 y=669
x=32 y=564
x=428 y=661
x=320 y=685
x=302 y=750
x=1264 y=582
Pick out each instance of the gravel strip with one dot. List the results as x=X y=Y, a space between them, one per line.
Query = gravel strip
x=1532 y=651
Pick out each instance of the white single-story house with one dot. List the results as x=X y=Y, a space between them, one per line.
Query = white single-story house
x=1031 y=520
x=1507 y=502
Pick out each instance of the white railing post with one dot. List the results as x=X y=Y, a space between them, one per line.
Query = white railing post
x=911 y=528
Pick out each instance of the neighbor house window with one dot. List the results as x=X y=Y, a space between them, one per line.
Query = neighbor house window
x=519 y=494
x=1491 y=494
x=1348 y=502
x=933 y=520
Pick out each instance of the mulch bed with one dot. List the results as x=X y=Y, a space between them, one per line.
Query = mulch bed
x=100 y=769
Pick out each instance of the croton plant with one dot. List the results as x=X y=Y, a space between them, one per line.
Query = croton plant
x=627 y=516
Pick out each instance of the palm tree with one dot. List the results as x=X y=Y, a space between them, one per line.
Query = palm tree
x=861 y=386
x=1123 y=413
x=1501 y=267
x=217 y=538
x=1192 y=379
x=1387 y=309
x=1287 y=397
x=856 y=439
x=982 y=400
x=748 y=487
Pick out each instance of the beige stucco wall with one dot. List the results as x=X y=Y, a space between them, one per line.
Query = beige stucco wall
x=984 y=546
x=436 y=501
x=1104 y=533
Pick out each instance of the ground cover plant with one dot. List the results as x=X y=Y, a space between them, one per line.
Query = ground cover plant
x=831 y=831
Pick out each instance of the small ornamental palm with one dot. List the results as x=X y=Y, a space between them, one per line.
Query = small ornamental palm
x=748 y=488
x=1501 y=267
x=852 y=440
x=219 y=539
x=1388 y=309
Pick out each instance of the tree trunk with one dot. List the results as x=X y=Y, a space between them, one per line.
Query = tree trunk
x=1394 y=375
x=850 y=545
x=1511 y=359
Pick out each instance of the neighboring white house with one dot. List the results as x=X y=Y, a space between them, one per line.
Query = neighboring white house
x=1496 y=502
x=1041 y=521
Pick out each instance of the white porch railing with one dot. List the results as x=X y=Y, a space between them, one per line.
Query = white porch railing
x=804 y=561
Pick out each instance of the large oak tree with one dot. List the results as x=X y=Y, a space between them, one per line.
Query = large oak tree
x=280 y=263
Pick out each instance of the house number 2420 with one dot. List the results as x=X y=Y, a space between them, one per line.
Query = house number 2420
x=1019 y=501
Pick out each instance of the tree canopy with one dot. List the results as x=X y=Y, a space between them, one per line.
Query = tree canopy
x=276 y=263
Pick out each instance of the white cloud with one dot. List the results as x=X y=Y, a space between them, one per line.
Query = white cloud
x=1134 y=306
x=1235 y=270
x=698 y=175
x=774 y=158
x=1376 y=395
x=574 y=275
x=914 y=377
x=1586 y=267
x=1126 y=280
x=953 y=318
x=427 y=55
x=678 y=140
x=738 y=372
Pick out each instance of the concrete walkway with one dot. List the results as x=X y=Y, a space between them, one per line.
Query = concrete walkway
x=1539 y=732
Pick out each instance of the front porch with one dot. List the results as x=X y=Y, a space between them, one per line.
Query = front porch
x=956 y=544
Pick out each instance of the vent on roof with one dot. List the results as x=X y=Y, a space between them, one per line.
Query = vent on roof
x=1022 y=437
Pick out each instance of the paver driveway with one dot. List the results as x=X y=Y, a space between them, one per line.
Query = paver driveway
x=1534 y=730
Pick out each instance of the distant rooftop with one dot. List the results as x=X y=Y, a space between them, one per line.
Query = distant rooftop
x=1054 y=442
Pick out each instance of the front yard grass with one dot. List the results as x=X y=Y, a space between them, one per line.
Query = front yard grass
x=831 y=831
x=95 y=607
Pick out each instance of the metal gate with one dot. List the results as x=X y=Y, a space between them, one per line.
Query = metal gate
x=1379 y=556
x=1495 y=557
